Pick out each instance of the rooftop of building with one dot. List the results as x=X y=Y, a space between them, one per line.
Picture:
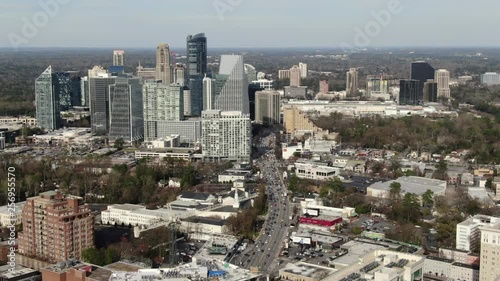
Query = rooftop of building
x=205 y=220
x=308 y=270
x=480 y=220
x=195 y=195
x=413 y=184
x=17 y=274
x=6 y=210
x=124 y=266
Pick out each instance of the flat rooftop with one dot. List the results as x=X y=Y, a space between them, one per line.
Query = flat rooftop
x=308 y=270
x=416 y=185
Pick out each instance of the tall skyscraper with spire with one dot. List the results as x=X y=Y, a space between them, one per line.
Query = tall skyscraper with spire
x=196 y=50
x=163 y=69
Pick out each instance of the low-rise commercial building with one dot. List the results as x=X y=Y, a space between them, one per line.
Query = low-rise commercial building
x=416 y=185
x=137 y=215
x=11 y=215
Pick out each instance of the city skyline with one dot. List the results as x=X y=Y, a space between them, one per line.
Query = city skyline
x=224 y=22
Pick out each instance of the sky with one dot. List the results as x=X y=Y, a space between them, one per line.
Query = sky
x=250 y=23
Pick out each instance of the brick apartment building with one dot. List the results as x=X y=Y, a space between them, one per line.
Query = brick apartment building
x=56 y=227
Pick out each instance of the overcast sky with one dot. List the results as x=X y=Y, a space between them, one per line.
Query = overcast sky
x=252 y=23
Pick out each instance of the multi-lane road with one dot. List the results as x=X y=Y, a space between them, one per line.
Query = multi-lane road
x=266 y=249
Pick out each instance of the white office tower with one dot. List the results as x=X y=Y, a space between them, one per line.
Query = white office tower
x=295 y=76
x=226 y=135
x=187 y=102
x=208 y=94
x=118 y=57
x=233 y=95
x=303 y=70
x=163 y=104
x=352 y=82
x=163 y=70
x=442 y=78
x=84 y=89
x=179 y=75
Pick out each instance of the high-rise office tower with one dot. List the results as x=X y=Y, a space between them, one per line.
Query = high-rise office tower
x=188 y=110
x=226 y=136
x=430 y=91
x=126 y=109
x=231 y=93
x=303 y=69
x=490 y=249
x=118 y=58
x=208 y=93
x=409 y=92
x=323 y=86
x=442 y=78
x=67 y=85
x=196 y=70
x=295 y=76
x=84 y=90
x=163 y=104
x=99 y=82
x=267 y=107
x=56 y=227
x=179 y=75
x=376 y=85
x=352 y=83
x=48 y=114
x=163 y=69
x=422 y=72
x=251 y=72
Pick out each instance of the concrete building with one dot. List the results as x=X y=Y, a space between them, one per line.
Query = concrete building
x=303 y=69
x=377 y=87
x=265 y=84
x=159 y=154
x=352 y=82
x=226 y=135
x=84 y=90
x=208 y=93
x=162 y=104
x=119 y=57
x=293 y=92
x=417 y=185
x=323 y=86
x=180 y=75
x=137 y=215
x=232 y=93
x=284 y=74
x=468 y=234
x=11 y=216
x=56 y=227
x=187 y=100
x=126 y=110
x=189 y=130
x=316 y=170
x=146 y=73
x=163 y=71
x=442 y=78
x=47 y=105
x=295 y=119
x=448 y=269
x=295 y=75
x=490 y=250
x=302 y=271
x=268 y=107
x=490 y=79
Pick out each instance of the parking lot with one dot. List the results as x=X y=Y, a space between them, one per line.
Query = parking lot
x=374 y=224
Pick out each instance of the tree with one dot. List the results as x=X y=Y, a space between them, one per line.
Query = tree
x=119 y=143
x=395 y=190
x=489 y=183
x=427 y=198
x=93 y=256
x=441 y=172
x=357 y=230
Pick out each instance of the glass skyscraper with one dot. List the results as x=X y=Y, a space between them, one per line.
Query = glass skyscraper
x=126 y=109
x=67 y=87
x=196 y=52
x=231 y=87
x=422 y=72
x=409 y=92
x=47 y=102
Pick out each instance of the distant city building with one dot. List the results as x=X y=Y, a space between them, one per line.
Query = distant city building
x=295 y=76
x=323 y=86
x=208 y=93
x=261 y=76
x=284 y=74
x=442 y=78
x=99 y=82
x=267 y=107
x=303 y=70
x=231 y=91
x=265 y=84
x=48 y=114
x=146 y=73
x=67 y=85
x=162 y=105
x=56 y=227
x=179 y=75
x=352 y=82
x=409 y=92
x=295 y=92
x=376 y=86
x=250 y=72
x=118 y=57
x=430 y=91
x=490 y=79
x=188 y=108
x=196 y=70
x=226 y=136
x=490 y=249
x=163 y=70
x=126 y=110
x=422 y=72
x=84 y=90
